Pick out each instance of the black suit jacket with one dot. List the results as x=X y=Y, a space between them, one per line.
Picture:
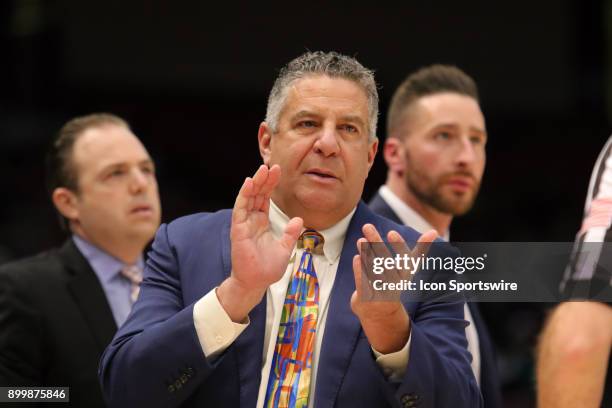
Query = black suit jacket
x=489 y=376
x=55 y=322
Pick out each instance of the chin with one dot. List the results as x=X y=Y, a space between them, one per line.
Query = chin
x=144 y=231
x=320 y=201
x=461 y=207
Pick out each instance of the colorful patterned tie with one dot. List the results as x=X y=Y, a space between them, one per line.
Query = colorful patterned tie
x=134 y=274
x=289 y=381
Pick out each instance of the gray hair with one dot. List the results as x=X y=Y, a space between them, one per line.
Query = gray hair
x=331 y=64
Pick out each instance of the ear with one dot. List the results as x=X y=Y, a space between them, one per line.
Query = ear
x=66 y=203
x=393 y=152
x=264 y=137
x=372 y=149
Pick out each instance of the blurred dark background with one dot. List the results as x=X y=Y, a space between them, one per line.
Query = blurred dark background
x=192 y=78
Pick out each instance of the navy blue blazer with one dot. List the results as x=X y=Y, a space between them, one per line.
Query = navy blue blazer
x=155 y=359
x=489 y=376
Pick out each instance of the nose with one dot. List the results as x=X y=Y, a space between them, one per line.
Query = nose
x=138 y=181
x=327 y=142
x=466 y=154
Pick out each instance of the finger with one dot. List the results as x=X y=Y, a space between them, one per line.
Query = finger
x=424 y=242
x=292 y=232
x=378 y=248
x=364 y=291
x=262 y=201
x=274 y=175
x=239 y=214
x=362 y=245
x=258 y=202
x=259 y=178
x=357 y=274
x=371 y=233
x=399 y=246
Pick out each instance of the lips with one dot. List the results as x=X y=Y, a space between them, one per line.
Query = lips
x=141 y=209
x=322 y=173
x=460 y=183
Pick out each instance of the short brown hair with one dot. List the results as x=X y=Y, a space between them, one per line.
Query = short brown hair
x=427 y=81
x=60 y=170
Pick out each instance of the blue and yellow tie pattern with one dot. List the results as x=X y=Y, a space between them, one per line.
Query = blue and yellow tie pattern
x=289 y=380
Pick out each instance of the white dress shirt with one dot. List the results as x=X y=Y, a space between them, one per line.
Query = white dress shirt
x=216 y=331
x=413 y=219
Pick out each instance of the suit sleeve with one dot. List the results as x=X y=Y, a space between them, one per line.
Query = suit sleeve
x=156 y=359
x=21 y=334
x=438 y=372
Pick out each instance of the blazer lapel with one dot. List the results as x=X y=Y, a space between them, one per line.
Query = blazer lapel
x=88 y=294
x=380 y=206
x=342 y=327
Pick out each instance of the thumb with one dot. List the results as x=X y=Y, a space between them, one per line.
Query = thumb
x=291 y=233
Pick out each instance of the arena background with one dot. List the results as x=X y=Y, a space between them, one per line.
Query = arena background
x=192 y=78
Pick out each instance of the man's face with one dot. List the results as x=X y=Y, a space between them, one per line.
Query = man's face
x=322 y=147
x=117 y=198
x=444 y=140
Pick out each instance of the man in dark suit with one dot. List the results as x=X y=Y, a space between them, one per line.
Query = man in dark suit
x=60 y=309
x=245 y=308
x=435 y=152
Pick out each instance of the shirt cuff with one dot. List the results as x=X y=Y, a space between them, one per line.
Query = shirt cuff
x=215 y=330
x=394 y=364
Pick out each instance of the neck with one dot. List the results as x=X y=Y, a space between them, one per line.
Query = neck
x=440 y=221
x=313 y=218
x=125 y=250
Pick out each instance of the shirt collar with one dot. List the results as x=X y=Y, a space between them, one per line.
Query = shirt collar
x=104 y=265
x=333 y=236
x=406 y=214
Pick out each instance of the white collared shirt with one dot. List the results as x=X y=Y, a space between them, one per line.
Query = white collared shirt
x=414 y=220
x=216 y=331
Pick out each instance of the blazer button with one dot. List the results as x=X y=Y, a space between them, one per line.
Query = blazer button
x=409 y=400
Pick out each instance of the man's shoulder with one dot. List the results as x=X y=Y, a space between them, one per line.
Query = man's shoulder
x=198 y=220
x=195 y=227
x=33 y=270
x=384 y=225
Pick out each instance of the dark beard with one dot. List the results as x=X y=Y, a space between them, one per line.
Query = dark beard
x=430 y=194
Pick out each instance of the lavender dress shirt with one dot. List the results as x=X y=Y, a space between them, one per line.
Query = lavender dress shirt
x=107 y=268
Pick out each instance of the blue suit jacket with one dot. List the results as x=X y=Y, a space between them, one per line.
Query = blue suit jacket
x=489 y=377
x=155 y=359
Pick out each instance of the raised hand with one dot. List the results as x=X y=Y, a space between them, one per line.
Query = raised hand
x=386 y=323
x=258 y=258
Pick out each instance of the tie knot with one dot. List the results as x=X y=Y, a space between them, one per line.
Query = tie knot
x=311 y=241
x=133 y=273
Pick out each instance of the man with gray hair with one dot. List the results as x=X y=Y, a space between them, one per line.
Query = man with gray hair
x=262 y=305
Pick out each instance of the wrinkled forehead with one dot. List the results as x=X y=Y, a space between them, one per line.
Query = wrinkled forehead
x=322 y=93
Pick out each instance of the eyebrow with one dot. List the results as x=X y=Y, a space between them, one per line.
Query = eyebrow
x=354 y=119
x=452 y=125
x=348 y=118
x=302 y=114
x=119 y=164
